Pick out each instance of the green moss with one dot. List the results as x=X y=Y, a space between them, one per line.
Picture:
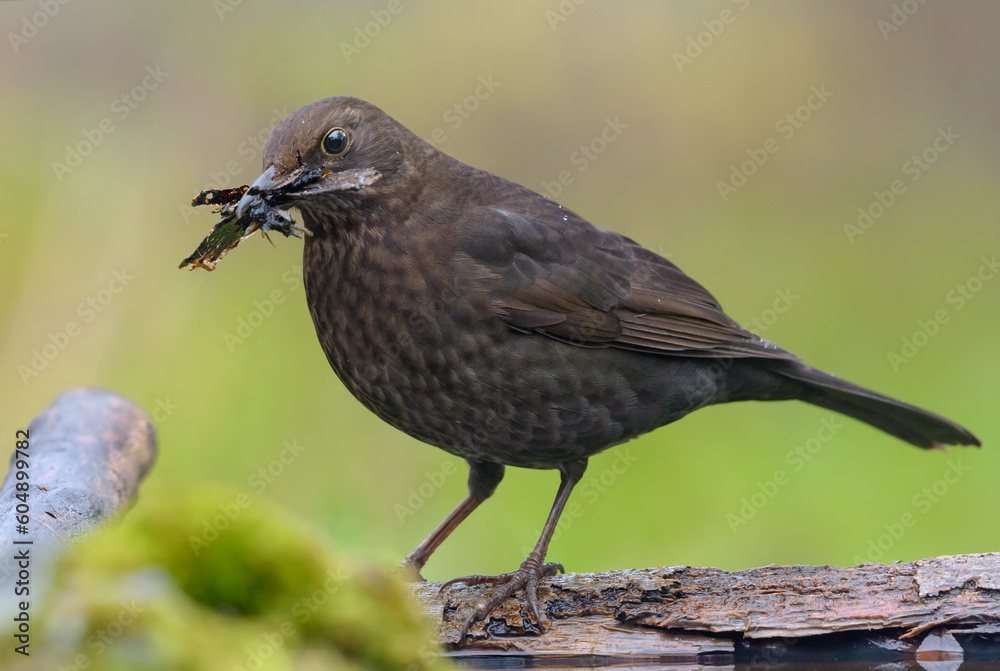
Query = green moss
x=217 y=581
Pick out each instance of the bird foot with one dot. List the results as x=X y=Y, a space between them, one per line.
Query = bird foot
x=410 y=570
x=525 y=578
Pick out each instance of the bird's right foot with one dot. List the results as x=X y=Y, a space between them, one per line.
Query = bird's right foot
x=526 y=577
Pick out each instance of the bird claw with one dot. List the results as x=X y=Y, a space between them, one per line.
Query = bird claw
x=526 y=578
x=409 y=571
x=471 y=580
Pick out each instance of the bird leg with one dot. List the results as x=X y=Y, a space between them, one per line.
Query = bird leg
x=416 y=559
x=532 y=569
x=483 y=480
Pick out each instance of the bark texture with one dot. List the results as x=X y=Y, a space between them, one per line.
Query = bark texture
x=689 y=613
x=88 y=452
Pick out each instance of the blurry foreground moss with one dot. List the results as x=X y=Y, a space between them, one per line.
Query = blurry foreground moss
x=222 y=581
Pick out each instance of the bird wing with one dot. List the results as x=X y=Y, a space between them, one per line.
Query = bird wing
x=552 y=272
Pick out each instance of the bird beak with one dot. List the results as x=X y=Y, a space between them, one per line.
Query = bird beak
x=274 y=190
x=266 y=183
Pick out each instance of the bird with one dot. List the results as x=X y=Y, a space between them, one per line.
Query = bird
x=488 y=320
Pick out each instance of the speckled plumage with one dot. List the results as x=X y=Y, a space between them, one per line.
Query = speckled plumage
x=485 y=319
x=410 y=324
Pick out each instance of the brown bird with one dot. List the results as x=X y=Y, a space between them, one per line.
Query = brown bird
x=485 y=319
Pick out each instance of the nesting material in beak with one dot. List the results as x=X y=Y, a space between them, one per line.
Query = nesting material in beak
x=262 y=206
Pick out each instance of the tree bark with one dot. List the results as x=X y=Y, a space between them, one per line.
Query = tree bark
x=87 y=453
x=685 y=613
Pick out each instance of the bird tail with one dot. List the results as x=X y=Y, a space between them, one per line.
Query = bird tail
x=905 y=421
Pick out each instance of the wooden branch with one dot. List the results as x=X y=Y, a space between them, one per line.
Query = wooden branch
x=88 y=452
x=684 y=613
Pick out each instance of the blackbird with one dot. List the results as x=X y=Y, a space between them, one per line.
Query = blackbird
x=485 y=319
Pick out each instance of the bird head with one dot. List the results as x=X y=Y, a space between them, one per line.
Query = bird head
x=327 y=157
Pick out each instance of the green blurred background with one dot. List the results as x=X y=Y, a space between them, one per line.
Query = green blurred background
x=558 y=71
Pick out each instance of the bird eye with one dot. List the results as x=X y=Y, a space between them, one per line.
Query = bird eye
x=336 y=142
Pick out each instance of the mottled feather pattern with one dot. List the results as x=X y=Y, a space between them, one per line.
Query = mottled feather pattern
x=476 y=411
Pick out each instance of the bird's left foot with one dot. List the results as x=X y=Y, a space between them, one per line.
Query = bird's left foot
x=532 y=570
